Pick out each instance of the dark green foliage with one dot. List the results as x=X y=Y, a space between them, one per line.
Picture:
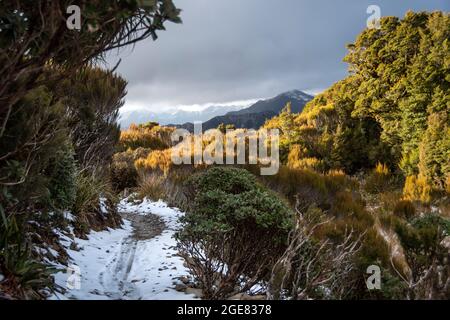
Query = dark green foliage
x=24 y=275
x=92 y=99
x=235 y=222
x=427 y=256
x=393 y=108
x=34 y=35
x=231 y=200
x=424 y=233
x=44 y=137
x=61 y=174
x=57 y=113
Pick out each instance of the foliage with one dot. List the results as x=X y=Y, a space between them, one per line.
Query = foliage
x=94 y=204
x=313 y=268
x=405 y=209
x=234 y=231
x=25 y=275
x=417 y=189
x=146 y=136
x=123 y=171
x=392 y=108
x=62 y=175
x=379 y=179
x=92 y=99
x=427 y=256
x=31 y=43
x=157 y=159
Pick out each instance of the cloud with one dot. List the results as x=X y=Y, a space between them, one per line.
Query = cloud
x=237 y=50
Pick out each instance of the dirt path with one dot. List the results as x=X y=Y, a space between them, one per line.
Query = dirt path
x=146 y=226
x=115 y=279
x=139 y=261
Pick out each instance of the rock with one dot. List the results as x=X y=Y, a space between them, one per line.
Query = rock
x=184 y=279
x=198 y=293
x=446 y=243
x=180 y=287
x=74 y=246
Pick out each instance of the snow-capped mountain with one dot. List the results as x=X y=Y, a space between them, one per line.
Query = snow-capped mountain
x=175 y=117
x=252 y=116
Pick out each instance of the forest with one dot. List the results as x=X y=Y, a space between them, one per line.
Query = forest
x=364 y=177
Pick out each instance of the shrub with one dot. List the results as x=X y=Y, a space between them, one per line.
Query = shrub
x=62 y=174
x=447 y=185
x=123 y=172
x=297 y=161
x=158 y=159
x=379 y=179
x=314 y=267
x=24 y=275
x=417 y=189
x=405 y=209
x=234 y=232
x=427 y=256
x=89 y=214
x=150 y=136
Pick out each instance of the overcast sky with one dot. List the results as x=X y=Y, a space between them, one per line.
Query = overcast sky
x=234 y=50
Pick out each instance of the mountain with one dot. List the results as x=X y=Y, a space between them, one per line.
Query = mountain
x=179 y=116
x=256 y=115
x=297 y=98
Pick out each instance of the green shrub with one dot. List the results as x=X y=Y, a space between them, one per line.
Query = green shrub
x=235 y=222
x=24 y=275
x=62 y=178
x=426 y=256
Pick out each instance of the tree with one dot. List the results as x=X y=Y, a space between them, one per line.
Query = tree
x=34 y=37
x=235 y=230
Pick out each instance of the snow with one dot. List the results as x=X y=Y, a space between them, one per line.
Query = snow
x=103 y=206
x=114 y=265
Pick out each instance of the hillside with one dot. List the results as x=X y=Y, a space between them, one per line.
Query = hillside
x=175 y=117
x=256 y=115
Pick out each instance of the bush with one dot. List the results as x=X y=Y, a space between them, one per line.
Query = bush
x=89 y=214
x=62 y=175
x=123 y=170
x=24 y=275
x=427 y=256
x=405 y=209
x=417 y=189
x=156 y=160
x=234 y=231
x=447 y=185
x=150 y=136
x=379 y=179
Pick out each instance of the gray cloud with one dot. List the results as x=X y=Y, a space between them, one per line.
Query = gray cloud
x=228 y=50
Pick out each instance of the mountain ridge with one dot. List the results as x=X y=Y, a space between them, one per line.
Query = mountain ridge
x=254 y=116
